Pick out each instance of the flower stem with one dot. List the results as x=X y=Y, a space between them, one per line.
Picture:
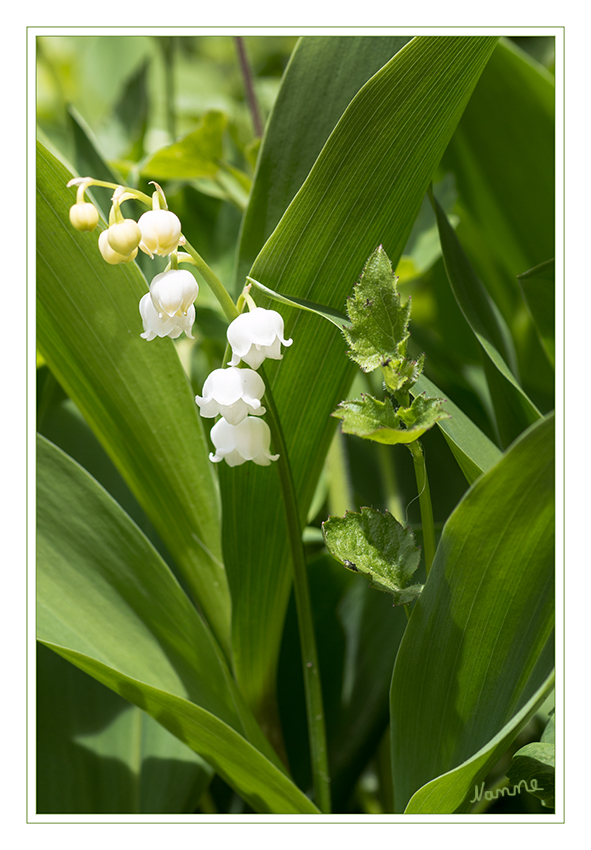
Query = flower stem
x=214 y=283
x=312 y=686
x=418 y=456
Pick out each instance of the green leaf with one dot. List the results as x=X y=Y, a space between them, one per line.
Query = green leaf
x=378 y=161
x=315 y=91
x=537 y=288
x=99 y=754
x=134 y=394
x=377 y=546
x=379 y=321
x=195 y=155
x=476 y=660
x=377 y=420
x=96 y=568
x=335 y=316
x=506 y=210
x=473 y=450
x=513 y=409
x=534 y=764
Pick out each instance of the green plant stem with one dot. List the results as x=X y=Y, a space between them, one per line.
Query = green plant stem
x=214 y=283
x=418 y=457
x=312 y=686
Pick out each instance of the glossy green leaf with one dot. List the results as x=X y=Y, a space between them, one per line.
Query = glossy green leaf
x=476 y=660
x=514 y=411
x=473 y=450
x=99 y=754
x=195 y=155
x=537 y=288
x=95 y=567
x=377 y=420
x=382 y=549
x=365 y=189
x=134 y=394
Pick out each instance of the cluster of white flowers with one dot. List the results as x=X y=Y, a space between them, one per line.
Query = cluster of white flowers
x=167 y=309
x=236 y=393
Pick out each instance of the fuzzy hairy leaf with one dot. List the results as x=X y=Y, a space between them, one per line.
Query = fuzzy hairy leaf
x=377 y=546
x=377 y=420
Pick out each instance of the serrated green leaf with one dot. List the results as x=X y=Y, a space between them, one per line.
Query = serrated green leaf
x=379 y=321
x=473 y=450
x=195 y=155
x=377 y=546
x=377 y=420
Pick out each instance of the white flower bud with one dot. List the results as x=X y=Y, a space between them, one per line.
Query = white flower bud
x=109 y=255
x=255 y=336
x=84 y=216
x=173 y=292
x=124 y=236
x=154 y=325
x=161 y=231
x=234 y=393
x=250 y=440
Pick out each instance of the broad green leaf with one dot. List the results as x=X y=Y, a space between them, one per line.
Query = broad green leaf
x=377 y=420
x=507 y=210
x=323 y=76
x=477 y=657
x=99 y=754
x=513 y=409
x=365 y=189
x=537 y=288
x=96 y=568
x=195 y=155
x=383 y=550
x=472 y=449
x=134 y=394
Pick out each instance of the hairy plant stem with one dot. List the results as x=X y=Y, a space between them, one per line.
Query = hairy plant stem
x=418 y=456
x=312 y=686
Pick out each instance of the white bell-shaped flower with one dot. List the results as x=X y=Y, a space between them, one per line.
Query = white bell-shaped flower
x=234 y=393
x=255 y=336
x=172 y=326
x=161 y=232
x=250 y=440
x=173 y=292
